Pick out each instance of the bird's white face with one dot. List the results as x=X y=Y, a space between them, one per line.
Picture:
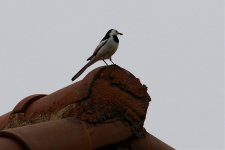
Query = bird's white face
x=115 y=32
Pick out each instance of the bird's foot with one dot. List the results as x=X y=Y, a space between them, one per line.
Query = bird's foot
x=111 y=61
x=105 y=62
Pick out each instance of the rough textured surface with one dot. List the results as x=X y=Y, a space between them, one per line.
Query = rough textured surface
x=115 y=93
x=108 y=107
x=106 y=93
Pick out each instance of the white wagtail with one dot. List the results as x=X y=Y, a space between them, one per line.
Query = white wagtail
x=105 y=49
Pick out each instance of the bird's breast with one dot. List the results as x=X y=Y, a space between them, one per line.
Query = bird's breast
x=108 y=49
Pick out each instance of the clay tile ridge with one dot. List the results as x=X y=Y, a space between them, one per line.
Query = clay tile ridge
x=105 y=110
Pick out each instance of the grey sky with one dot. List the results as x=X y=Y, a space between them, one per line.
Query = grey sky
x=175 y=47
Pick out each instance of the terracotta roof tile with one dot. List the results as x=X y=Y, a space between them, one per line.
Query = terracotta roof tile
x=23 y=104
x=75 y=133
x=107 y=107
x=9 y=144
x=4 y=120
x=149 y=142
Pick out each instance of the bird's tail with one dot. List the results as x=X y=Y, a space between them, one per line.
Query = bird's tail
x=82 y=70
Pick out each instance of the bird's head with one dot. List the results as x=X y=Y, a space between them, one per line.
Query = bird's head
x=113 y=32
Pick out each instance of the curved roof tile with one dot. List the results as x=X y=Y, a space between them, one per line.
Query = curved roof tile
x=83 y=115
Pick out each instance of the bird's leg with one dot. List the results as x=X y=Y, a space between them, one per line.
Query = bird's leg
x=105 y=62
x=111 y=60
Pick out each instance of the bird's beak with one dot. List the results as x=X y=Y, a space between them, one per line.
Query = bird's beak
x=120 y=33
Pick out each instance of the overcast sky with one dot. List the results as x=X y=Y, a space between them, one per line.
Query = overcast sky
x=175 y=47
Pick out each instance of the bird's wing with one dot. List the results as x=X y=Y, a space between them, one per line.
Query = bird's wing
x=102 y=43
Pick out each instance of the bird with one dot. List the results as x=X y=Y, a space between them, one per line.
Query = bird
x=105 y=49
